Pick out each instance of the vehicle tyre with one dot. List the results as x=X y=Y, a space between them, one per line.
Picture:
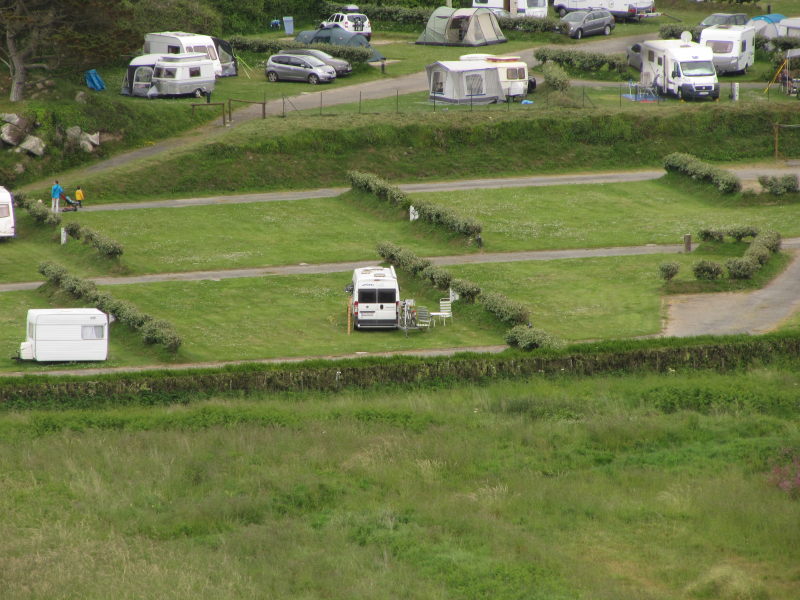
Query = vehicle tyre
x=679 y=93
x=313 y=79
x=579 y=34
x=607 y=30
x=272 y=76
x=562 y=12
x=198 y=93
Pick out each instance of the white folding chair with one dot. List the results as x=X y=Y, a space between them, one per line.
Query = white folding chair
x=445 y=310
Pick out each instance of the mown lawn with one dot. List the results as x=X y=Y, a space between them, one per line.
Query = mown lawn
x=540 y=489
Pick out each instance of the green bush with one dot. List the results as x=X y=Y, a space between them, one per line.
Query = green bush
x=437 y=276
x=52 y=272
x=711 y=235
x=778 y=186
x=742 y=268
x=73 y=230
x=466 y=290
x=555 y=77
x=526 y=337
x=578 y=60
x=758 y=253
x=42 y=214
x=707 y=270
x=770 y=239
x=353 y=54
x=668 y=270
x=508 y=311
x=532 y=25
x=741 y=232
x=687 y=164
x=673 y=31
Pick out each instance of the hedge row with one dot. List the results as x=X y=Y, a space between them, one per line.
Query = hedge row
x=354 y=55
x=532 y=25
x=673 y=31
x=106 y=246
x=506 y=310
x=38 y=210
x=152 y=330
x=151 y=387
x=529 y=338
x=577 y=60
x=427 y=211
x=763 y=246
x=778 y=186
x=687 y=164
x=555 y=77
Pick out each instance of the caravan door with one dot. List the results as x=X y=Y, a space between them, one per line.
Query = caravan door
x=7 y=229
x=142 y=81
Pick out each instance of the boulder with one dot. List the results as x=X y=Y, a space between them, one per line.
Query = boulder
x=11 y=134
x=94 y=138
x=34 y=145
x=80 y=97
x=74 y=134
x=19 y=168
x=10 y=118
x=86 y=145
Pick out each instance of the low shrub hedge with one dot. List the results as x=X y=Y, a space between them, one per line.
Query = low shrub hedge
x=673 y=31
x=529 y=338
x=742 y=268
x=578 y=60
x=687 y=164
x=427 y=211
x=153 y=331
x=707 y=269
x=353 y=54
x=778 y=186
x=668 y=270
x=507 y=310
x=37 y=209
x=758 y=253
x=167 y=386
x=105 y=245
x=555 y=77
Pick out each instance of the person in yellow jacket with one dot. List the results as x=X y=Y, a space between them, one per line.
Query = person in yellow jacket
x=79 y=196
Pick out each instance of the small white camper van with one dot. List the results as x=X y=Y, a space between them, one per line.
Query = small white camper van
x=6 y=214
x=180 y=42
x=65 y=334
x=155 y=75
x=376 y=298
x=733 y=46
x=679 y=67
x=516 y=8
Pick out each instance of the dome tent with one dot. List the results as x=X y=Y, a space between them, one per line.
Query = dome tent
x=462 y=27
x=338 y=37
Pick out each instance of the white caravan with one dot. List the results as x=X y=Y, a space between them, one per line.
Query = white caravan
x=621 y=9
x=180 y=42
x=6 y=214
x=511 y=70
x=65 y=334
x=516 y=8
x=154 y=75
x=733 y=46
x=679 y=67
x=376 y=298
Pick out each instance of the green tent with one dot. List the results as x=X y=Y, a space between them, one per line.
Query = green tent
x=462 y=27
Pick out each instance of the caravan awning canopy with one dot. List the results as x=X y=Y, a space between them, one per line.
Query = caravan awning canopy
x=462 y=27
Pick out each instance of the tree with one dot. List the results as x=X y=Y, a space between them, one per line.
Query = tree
x=25 y=26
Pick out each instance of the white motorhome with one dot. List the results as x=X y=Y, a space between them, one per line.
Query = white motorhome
x=733 y=46
x=180 y=42
x=6 y=214
x=680 y=67
x=516 y=8
x=65 y=334
x=621 y=9
x=511 y=70
x=376 y=298
x=154 y=75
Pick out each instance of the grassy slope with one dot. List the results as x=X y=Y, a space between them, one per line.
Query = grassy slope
x=540 y=489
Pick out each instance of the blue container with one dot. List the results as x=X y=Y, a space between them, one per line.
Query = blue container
x=288 y=25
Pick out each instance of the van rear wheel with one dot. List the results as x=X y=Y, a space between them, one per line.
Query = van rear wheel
x=579 y=34
x=562 y=12
x=313 y=79
x=198 y=93
x=607 y=30
x=272 y=76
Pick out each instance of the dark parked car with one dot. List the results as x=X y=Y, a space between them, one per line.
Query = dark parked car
x=724 y=19
x=342 y=67
x=589 y=22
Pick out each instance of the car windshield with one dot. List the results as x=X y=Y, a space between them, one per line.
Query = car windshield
x=697 y=68
x=314 y=61
x=574 y=17
x=720 y=47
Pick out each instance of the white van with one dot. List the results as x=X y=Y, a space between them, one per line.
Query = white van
x=633 y=10
x=155 y=75
x=376 y=298
x=516 y=8
x=65 y=334
x=6 y=214
x=680 y=67
x=512 y=71
x=733 y=46
x=180 y=42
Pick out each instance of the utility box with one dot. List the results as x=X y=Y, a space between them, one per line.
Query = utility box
x=288 y=25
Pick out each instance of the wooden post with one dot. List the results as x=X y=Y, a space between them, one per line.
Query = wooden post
x=230 y=112
x=349 y=316
x=775 y=130
x=263 y=110
x=687 y=242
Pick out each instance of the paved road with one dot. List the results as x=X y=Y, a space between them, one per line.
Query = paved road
x=314 y=269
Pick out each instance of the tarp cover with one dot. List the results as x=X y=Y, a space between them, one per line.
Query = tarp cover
x=94 y=81
x=338 y=37
x=462 y=27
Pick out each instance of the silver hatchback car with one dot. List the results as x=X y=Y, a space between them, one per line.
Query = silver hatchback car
x=298 y=68
x=589 y=22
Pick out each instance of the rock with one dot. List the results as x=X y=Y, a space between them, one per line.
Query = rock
x=106 y=137
x=94 y=138
x=34 y=145
x=50 y=83
x=10 y=118
x=86 y=145
x=19 y=168
x=39 y=85
x=80 y=97
x=74 y=134
x=11 y=135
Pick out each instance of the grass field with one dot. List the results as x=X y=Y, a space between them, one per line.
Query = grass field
x=540 y=489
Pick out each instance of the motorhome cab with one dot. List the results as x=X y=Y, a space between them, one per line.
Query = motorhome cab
x=376 y=298
x=680 y=67
x=516 y=8
x=512 y=71
x=180 y=42
x=154 y=75
x=733 y=46
x=65 y=334
x=6 y=214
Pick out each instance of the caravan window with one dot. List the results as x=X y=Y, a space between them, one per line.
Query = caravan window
x=651 y=56
x=194 y=71
x=474 y=85
x=386 y=296
x=537 y=3
x=368 y=296
x=4 y=211
x=164 y=73
x=720 y=47
x=437 y=86
x=92 y=332
x=200 y=49
x=173 y=49
x=515 y=73
x=211 y=52
x=143 y=75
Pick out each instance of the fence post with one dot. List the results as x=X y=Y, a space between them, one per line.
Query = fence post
x=620 y=95
x=397 y=101
x=583 y=97
x=434 y=102
x=230 y=112
x=687 y=242
x=263 y=110
x=359 y=102
x=320 y=104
